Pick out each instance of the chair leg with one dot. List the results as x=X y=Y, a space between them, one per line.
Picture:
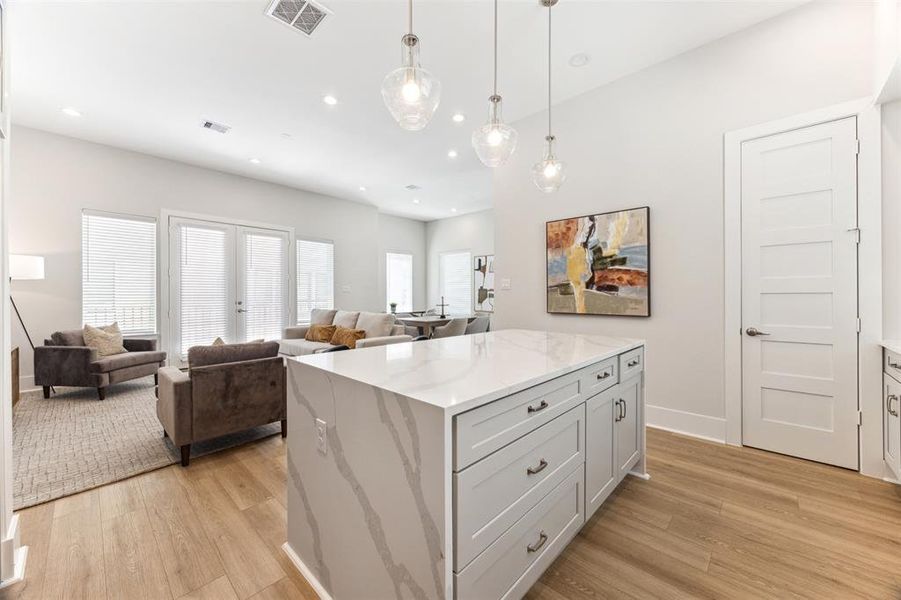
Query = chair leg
x=102 y=393
x=284 y=427
x=165 y=435
x=156 y=379
x=46 y=392
x=185 y=455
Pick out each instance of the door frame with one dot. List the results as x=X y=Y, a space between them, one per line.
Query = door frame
x=869 y=269
x=164 y=299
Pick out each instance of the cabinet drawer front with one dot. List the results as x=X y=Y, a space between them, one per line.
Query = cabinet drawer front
x=497 y=491
x=483 y=430
x=892 y=364
x=513 y=563
x=600 y=377
x=630 y=363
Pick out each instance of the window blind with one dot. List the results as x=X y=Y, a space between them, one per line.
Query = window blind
x=455 y=279
x=399 y=284
x=203 y=286
x=118 y=272
x=265 y=269
x=315 y=277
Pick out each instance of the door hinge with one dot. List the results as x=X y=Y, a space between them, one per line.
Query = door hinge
x=856 y=232
x=857 y=149
x=858 y=324
x=859 y=418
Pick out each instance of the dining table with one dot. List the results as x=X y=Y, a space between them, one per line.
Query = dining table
x=427 y=323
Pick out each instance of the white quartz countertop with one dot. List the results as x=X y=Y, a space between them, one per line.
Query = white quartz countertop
x=463 y=372
x=893 y=345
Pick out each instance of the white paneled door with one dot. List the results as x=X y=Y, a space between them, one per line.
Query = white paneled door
x=227 y=282
x=799 y=293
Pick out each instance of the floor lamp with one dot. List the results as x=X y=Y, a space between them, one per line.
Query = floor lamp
x=24 y=267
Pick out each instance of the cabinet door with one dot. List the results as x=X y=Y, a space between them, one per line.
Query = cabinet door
x=600 y=470
x=627 y=423
x=891 y=399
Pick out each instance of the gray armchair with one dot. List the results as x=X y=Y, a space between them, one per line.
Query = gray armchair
x=453 y=328
x=65 y=360
x=229 y=388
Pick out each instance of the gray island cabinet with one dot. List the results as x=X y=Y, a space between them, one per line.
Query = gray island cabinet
x=457 y=467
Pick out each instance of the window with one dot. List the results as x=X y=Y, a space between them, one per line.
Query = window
x=265 y=285
x=203 y=283
x=118 y=271
x=315 y=277
x=455 y=282
x=399 y=281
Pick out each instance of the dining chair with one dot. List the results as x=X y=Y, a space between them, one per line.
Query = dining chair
x=478 y=325
x=453 y=327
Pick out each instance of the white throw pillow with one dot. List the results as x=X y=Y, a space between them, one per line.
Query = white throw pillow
x=107 y=340
x=375 y=324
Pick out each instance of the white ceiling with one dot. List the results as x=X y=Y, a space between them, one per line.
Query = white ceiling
x=144 y=75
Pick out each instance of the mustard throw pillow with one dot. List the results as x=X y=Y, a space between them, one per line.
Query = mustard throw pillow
x=320 y=333
x=347 y=337
x=106 y=340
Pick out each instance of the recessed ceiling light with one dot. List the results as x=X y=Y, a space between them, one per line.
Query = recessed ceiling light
x=458 y=118
x=415 y=200
x=330 y=100
x=452 y=154
x=255 y=161
x=71 y=112
x=362 y=188
x=453 y=210
x=579 y=60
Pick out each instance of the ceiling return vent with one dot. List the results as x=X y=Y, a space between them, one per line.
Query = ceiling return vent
x=302 y=15
x=214 y=126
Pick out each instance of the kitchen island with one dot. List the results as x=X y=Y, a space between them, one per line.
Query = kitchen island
x=457 y=467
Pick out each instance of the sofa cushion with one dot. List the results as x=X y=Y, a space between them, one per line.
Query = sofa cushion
x=320 y=333
x=347 y=337
x=346 y=319
x=375 y=324
x=202 y=356
x=301 y=347
x=72 y=337
x=107 y=340
x=115 y=362
x=322 y=316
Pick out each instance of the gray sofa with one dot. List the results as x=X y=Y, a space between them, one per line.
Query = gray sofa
x=229 y=388
x=65 y=360
x=381 y=329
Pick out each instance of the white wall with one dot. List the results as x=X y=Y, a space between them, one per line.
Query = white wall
x=891 y=219
x=404 y=236
x=656 y=138
x=473 y=232
x=55 y=177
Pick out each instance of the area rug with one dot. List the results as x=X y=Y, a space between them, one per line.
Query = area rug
x=73 y=441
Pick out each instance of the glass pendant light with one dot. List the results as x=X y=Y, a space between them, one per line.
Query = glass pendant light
x=549 y=173
x=495 y=141
x=410 y=92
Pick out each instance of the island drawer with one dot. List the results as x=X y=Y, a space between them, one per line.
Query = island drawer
x=630 y=363
x=892 y=364
x=482 y=430
x=497 y=491
x=515 y=561
x=599 y=377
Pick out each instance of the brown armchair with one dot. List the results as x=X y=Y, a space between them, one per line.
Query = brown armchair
x=65 y=360
x=228 y=389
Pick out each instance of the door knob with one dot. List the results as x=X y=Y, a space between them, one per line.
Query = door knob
x=754 y=332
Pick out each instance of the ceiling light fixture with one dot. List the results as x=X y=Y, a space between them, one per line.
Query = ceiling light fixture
x=70 y=112
x=495 y=141
x=453 y=210
x=255 y=161
x=579 y=60
x=549 y=173
x=362 y=188
x=410 y=92
x=330 y=100
x=415 y=200
x=458 y=118
x=452 y=154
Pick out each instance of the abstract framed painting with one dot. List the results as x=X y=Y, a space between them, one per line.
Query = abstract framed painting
x=483 y=284
x=600 y=264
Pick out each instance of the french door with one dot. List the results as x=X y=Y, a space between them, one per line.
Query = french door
x=799 y=293
x=226 y=281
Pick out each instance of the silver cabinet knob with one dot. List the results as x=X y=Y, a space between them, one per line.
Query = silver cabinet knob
x=754 y=332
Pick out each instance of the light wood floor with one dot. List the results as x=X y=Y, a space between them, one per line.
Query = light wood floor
x=713 y=522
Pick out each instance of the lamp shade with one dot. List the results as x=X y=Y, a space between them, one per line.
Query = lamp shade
x=24 y=266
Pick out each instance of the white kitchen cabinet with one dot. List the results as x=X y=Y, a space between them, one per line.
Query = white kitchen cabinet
x=891 y=399
x=601 y=474
x=627 y=425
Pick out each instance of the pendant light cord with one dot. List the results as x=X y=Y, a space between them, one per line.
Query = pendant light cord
x=410 y=17
x=495 y=47
x=549 y=69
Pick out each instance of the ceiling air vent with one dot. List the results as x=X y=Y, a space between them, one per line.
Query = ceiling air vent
x=213 y=126
x=412 y=187
x=301 y=15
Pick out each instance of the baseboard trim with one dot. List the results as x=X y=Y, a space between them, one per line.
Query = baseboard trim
x=712 y=429
x=306 y=572
x=26 y=384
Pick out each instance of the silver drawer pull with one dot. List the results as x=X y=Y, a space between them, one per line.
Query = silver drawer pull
x=893 y=365
x=542 y=465
x=542 y=538
x=541 y=406
x=888 y=404
x=632 y=363
x=604 y=375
